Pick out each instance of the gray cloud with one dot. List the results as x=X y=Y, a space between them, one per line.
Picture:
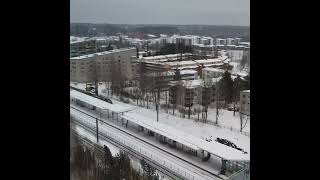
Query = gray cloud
x=214 y=12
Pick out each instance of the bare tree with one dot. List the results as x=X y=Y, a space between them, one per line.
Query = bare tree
x=206 y=92
x=197 y=109
x=243 y=118
x=180 y=95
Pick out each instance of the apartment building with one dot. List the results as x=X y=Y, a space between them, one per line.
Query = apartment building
x=220 y=41
x=203 y=50
x=245 y=102
x=104 y=66
x=82 y=47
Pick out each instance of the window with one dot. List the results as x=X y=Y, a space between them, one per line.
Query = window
x=244 y=96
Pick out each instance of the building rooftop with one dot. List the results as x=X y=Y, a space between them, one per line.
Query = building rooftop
x=213 y=69
x=101 y=53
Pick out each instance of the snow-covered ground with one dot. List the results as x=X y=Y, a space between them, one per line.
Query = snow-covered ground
x=229 y=129
x=198 y=129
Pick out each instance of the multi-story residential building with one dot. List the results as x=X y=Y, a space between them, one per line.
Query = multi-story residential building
x=209 y=73
x=206 y=41
x=82 y=47
x=167 y=58
x=164 y=63
x=203 y=50
x=237 y=41
x=164 y=78
x=245 y=44
x=231 y=41
x=245 y=102
x=104 y=66
x=220 y=41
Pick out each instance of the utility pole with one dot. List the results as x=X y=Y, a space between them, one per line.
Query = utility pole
x=97 y=130
x=217 y=102
x=158 y=101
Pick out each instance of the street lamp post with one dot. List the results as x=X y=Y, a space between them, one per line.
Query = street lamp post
x=97 y=130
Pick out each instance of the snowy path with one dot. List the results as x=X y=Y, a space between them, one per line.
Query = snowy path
x=162 y=157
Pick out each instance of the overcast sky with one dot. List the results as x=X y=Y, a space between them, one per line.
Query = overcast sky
x=212 y=12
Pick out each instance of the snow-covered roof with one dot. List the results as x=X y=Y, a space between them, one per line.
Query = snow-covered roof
x=101 y=53
x=216 y=60
x=151 y=35
x=159 y=128
x=213 y=69
x=166 y=57
x=246 y=91
x=187 y=71
x=117 y=108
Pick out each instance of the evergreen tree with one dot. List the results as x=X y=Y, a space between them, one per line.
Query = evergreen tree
x=226 y=86
x=108 y=160
x=123 y=163
x=148 y=169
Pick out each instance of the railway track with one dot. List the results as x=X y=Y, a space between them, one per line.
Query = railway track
x=128 y=150
x=213 y=176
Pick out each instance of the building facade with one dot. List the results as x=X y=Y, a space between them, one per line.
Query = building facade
x=111 y=65
x=245 y=102
x=83 y=47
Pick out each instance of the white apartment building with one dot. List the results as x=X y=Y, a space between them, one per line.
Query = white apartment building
x=203 y=50
x=220 y=41
x=104 y=66
x=206 y=41
x=245 y=44
x=245 y=102
x=231 y=41
x=237 y=41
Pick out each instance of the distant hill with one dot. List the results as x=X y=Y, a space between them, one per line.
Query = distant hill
x=87 y=29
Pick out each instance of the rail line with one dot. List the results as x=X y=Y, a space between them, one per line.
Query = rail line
x=108 y=124
x=154 y=164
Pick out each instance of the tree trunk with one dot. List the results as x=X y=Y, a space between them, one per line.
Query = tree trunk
x=241 y=121
x=147 y=102
x=189 y=112
x=137 y=97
